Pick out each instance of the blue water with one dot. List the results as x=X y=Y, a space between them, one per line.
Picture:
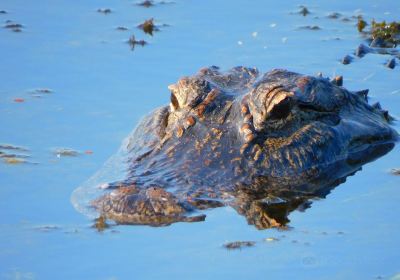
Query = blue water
x=101 y=88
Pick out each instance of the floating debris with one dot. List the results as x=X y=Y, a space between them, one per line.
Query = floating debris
x=15 y=27
x=43 y=90
x=66 y=152
x=101 y=224
x=88 y=152
x=395 y=171
x=146 y=3
x=11 y=25
x=310 y=27
x=122 y=28
x=150 y=3
x=391 y=63
x=148 y=27
x=19 y=100
x=46 y=228
x=334 y=15
x=104 y=11
x=271 y=239
x=3 y=12
x=238 y=244
x=133 y=42
x=303 y=11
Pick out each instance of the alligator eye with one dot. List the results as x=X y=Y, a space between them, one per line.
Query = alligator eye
x=280 y=105
x=281 y=110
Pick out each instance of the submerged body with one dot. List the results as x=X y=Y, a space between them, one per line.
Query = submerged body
x=263 y=144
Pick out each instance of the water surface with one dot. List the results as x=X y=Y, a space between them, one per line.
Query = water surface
x=101 y=89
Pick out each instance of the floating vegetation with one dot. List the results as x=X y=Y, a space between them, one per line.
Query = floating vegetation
x=361 y=24
x=104 y=11
x=382 y=34
x=66 y=152
x=133 y=42
x=148 y=26
x=388 y=32
x=238 y=244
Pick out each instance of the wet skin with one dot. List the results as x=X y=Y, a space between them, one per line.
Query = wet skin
x=262 y=144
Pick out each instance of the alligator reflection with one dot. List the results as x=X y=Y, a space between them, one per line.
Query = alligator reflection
x=268 y=203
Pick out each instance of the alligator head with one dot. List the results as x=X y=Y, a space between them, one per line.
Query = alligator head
x=265 y=145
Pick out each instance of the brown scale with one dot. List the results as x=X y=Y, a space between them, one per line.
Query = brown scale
x=180 y=131
x=200 y=110
x=302 y=82
x=190 y=121
x=247 y=128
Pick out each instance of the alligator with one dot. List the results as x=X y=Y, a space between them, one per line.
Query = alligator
x=264 y=145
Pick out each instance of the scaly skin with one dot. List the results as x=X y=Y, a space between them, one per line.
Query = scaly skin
x=264 y=145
